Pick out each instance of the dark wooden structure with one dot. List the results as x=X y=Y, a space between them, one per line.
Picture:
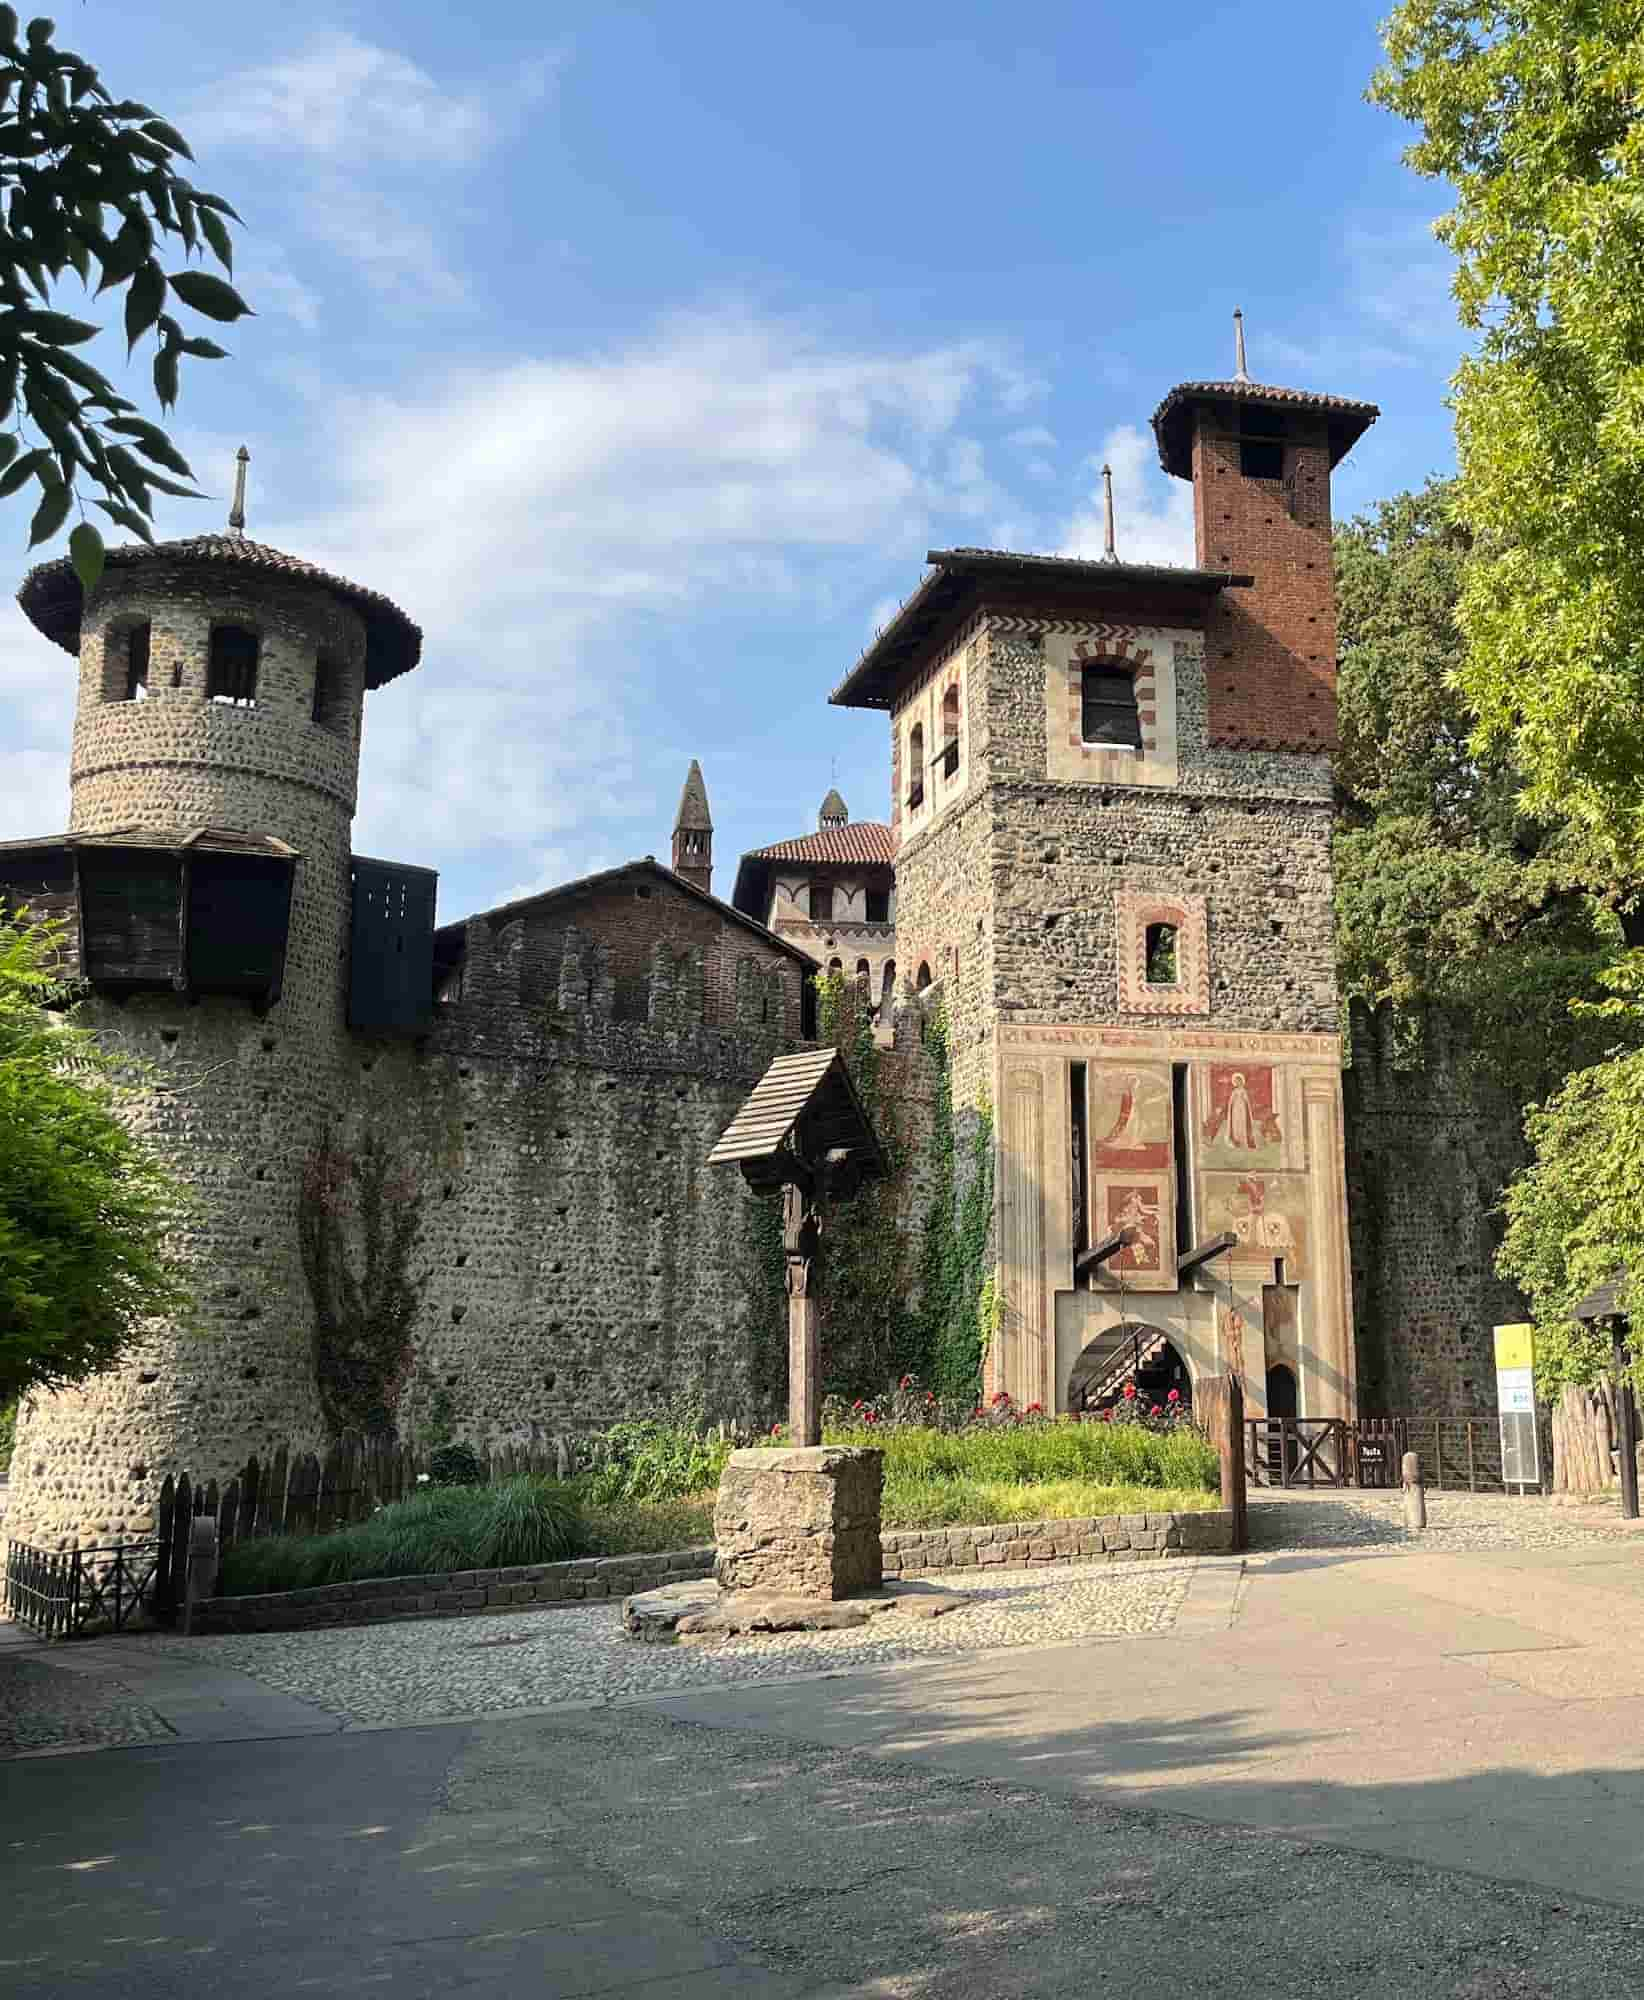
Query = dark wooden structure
x=803 y=1132
x=189 y=911
x=1602 y=1308
x=391 y=947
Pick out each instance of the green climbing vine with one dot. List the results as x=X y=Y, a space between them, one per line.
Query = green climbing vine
x=958 y=1301
x=765 y=1284
x=358 y=1221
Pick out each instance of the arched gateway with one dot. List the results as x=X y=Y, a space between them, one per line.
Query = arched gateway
x=1135 y=1352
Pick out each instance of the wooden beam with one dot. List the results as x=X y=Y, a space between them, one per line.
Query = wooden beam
x=1201 y=1253
x=1098 y=1253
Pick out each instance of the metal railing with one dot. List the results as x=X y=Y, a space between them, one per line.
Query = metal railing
x=60 y=1592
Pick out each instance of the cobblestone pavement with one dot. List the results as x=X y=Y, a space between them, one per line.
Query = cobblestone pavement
x=1456 y=1523
x=44 y=1707
x=420 y=1670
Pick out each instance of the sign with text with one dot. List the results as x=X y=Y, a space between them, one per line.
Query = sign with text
x=1516 y=1405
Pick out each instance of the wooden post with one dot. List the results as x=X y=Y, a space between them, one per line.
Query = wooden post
x=1219 y=1403
x=801 y=1240
x=1626 y=1431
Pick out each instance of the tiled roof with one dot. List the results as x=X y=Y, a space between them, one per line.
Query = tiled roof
x=52 y=596
x=1173 y=425
x=861 y=841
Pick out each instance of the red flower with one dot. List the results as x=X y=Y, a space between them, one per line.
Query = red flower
x=907 y=1381
x=857 y=1404
x=1155 y=1411
x=1175 y=1396
x=776 y=1430
x=872 y=1416
x=1130 y=1390
x=930 y=1395
x=1035 y=1406
x=1107 y=1416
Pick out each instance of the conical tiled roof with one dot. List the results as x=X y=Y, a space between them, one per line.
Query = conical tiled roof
x=834 y=810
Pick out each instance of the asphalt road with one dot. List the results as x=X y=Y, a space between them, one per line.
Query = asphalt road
x=629 y=1851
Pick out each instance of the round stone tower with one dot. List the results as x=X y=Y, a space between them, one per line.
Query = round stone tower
x=207 y=871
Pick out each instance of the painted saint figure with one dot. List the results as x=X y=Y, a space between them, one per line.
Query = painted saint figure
x=1241 y=1122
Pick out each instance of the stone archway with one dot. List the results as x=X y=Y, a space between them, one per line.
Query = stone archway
x=1132 y=1351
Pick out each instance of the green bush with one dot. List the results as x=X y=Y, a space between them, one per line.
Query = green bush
x=455 y=1465
x=437 y=1530
x=1030 y=1454
x=653 y=1459
x=8 y=1435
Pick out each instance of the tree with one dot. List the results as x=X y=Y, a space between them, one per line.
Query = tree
x=86 y=1210
x=1530 y=109
x=1448 y=895
x=88 y=181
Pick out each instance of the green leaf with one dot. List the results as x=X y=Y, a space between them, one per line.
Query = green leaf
x=203 y=350
x=170 y=486
x=87 y=554
x=51 y=513
x=169 y=137
x=153 y=443
x=126 y=253
x=81 y=372
x=208 y=295
x=57 y=329
x=143 y=302
x=8 y=28
x=215 y=201
x=216 y=235
x=41 y=30
x=8 y=448
x=25 y=469
x=165 y=378
x=126 y=518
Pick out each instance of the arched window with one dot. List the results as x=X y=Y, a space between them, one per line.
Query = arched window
x=1108 y=707
x=922 y=979
x=950 y=733
x=231 y=669
x=864 y=974
x=1163 y=965
x=916 y=767
x=887 y=987
x=836 y=965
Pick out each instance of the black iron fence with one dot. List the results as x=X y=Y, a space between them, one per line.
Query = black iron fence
x=62 y=1592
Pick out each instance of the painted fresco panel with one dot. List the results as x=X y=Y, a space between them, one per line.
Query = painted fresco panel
x=1242 y=1114
x=1129 y=1117
x=1266 y=1212
x=1146 y=1206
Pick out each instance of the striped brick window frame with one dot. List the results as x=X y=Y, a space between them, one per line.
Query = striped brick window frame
x=1135 y=660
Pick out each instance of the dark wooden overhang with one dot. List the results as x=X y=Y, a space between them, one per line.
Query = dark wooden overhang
x=1342 y=419
x=804 y=1114
x=960 y=579
x=1602 y=1303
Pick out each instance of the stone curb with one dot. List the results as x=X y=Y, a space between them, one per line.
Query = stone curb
x=908 y=1552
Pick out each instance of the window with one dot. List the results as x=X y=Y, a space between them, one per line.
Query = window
x=1161 y=955
x=1108 y=707
x=878 y=906
x=887 y=990
x=916 y=767
x=331 y=695
x=950 y=733
x=231 y=671
x=822 y=902
x=1260 y=459
x=836 y=965
x=864 y=974
x=125 y=663
x=922 y=980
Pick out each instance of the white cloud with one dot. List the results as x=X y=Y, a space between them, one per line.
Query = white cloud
x=267 y=279
x=341 y=98
x=1153 y=513
x=383 y=241
x=553 y=521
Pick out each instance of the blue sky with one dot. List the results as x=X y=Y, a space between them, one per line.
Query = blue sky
x=641 y=351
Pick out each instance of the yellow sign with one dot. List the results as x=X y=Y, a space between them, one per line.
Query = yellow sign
x=1515 y=1346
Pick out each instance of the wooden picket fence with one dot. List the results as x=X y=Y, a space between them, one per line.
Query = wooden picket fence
x=306 y=1493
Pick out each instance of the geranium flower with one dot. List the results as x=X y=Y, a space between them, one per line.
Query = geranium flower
x=907 y=1381
x=776 y=1430
x=1155 y=1411
x=1130 y=1390
x=1175 y=1396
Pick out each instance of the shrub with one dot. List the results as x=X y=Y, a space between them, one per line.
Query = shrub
x=440 y=1529
x=653 y=1459
x=455 y=1465
x=8 y=1435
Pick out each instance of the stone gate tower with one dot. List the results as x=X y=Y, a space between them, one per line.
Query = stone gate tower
x=1112 y=800
x=210 y=894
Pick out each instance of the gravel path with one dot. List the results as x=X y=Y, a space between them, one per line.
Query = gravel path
x=1456 y=1523
x=417 y=1671
x=46 y=1708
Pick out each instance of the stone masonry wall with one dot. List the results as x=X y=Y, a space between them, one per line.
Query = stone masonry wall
x=1428 y=1153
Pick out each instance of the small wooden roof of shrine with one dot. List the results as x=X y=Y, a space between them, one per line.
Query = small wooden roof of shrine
x=1603 y=1302
x=805 y=1104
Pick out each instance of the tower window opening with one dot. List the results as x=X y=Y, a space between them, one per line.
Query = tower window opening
x=1161 y=959
x=331 y=695
x=822 y=902
x=887 y=989
x=1260 y=459
x=922 y=977
x=231 y=670
x=916 y=767
x=878 y=906
x=1108 y=710
x=950 y=733
x=125 y=663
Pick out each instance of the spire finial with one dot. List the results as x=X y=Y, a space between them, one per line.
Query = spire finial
x=1109 y=552
x=236 y=513
x=1240 y=373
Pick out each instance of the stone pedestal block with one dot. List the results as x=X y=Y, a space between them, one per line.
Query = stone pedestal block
x=803 y=1521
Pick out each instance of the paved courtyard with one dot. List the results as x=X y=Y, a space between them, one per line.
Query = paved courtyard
x=1348 y=1763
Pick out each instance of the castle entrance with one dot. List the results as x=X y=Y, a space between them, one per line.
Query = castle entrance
x=1131 y=1352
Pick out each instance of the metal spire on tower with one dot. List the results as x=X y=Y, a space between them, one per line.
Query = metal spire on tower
x=1240 y=372
x=236 y=513
x=1109 y=553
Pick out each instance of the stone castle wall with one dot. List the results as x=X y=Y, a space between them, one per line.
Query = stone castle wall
x=1429 y=1151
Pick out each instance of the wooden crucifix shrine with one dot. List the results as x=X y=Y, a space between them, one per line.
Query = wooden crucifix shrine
x=805 y=1132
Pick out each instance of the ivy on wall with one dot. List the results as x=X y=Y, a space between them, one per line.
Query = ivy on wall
x=358 y=1221
x=958 y=1306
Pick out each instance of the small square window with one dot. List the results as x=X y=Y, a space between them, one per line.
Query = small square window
x=821 y=902
x=1107 y=708
x=1261 y=460
x=878 y=906
x=331 y=695
x=1162 y=962
x=231 y=671
x=125 y=663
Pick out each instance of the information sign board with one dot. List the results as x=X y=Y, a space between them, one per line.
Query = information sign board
x=1516 y=1405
